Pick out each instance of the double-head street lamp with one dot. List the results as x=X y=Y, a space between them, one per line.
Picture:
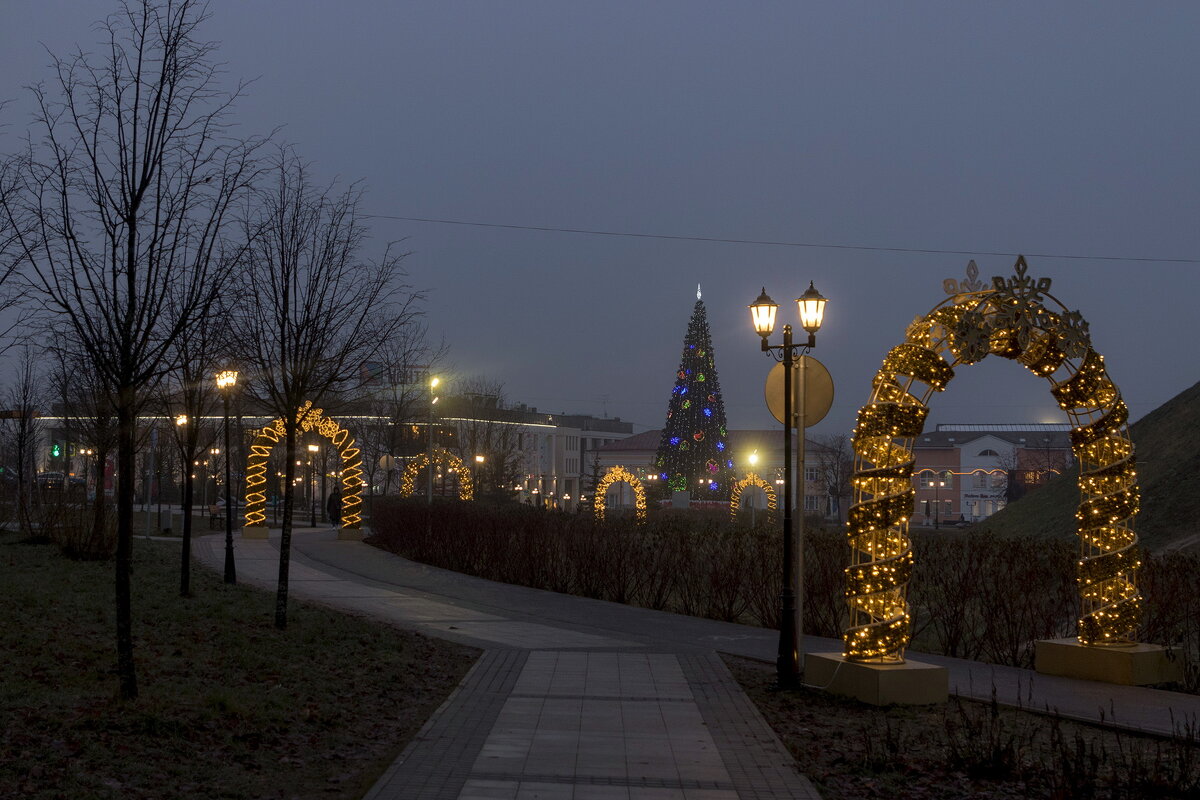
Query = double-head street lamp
x=762 y=313
x=226 y=380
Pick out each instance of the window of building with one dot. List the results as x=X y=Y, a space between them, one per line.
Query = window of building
x=989 y=452
x=812 y=474
x=812 y=503
x=979 y=480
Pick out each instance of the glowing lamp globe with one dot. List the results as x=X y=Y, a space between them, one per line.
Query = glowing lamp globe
x=762 y=314
x=812 y=309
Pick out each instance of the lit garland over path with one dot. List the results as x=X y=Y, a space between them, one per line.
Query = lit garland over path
x=1009 y=318
x=309 y=418
x=752 y=479
x=619 y=474
x=441 y=457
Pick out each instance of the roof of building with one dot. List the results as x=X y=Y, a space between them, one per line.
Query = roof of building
x=739 y=441
x=1057 y=438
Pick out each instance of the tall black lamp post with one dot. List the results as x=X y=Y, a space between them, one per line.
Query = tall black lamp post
x=812 y=312
x=312 y=483
x=226 y=380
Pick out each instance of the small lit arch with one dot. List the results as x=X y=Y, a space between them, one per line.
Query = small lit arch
x=752 y=479
x=441 y=457
x=619 y=474
x=308 y=419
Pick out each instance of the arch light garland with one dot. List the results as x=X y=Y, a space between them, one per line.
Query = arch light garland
x=1010 y=319
x=752 y=479
x=308 y=419
x=616 y=475
x=441 y=457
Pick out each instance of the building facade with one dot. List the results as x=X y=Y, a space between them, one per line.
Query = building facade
x=967 y=472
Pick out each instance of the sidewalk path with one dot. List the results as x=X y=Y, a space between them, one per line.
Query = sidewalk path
x=578 y=699
x=573 y=699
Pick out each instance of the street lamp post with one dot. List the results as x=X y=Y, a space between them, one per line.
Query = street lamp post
x=811 y=306
x=312 y=484
x=226 y=380
x=937 y=500
x=478 y=466
x=429 y=451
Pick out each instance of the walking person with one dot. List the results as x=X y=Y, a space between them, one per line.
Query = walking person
x=334 y=506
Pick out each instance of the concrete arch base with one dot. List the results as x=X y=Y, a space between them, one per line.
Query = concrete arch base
x=1131 y=665
x=908 y=683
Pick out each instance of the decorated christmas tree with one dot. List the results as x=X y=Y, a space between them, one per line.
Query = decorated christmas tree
x=693 y=453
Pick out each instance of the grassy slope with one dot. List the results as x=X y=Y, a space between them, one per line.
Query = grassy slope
x=1167 y=442
x=229 y=706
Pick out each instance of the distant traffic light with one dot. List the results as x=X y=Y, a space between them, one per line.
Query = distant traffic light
x=55 y=450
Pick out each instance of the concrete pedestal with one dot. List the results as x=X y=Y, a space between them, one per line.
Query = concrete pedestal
x=254 y=532
x=910 y=683
x=350 y=534
x=1131 y=665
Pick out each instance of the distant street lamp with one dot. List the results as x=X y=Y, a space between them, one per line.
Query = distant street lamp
x=312 y=483
x=478 y=466
x=226 y=380
x=811 y=306
x=937 y=500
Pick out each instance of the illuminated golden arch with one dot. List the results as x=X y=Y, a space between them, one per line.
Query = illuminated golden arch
x=309 y=418
x=617 y=475
x=441 y=457
x=1009 y=319
x=752 y=479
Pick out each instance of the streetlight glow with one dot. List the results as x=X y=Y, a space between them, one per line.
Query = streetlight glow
x=227 y=378
x=181 y=420
x=762 y=314
x=812 y=309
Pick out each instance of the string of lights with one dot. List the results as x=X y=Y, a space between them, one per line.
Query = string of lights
x=619 y=474
x=442 y=458
x=777 y=242
x=752 y=479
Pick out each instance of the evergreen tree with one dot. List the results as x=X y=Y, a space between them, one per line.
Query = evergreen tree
x=693 y=453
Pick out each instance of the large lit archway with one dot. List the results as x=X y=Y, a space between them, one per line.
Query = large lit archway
x=1011 y=319
x=309 y=419
x=619 y=475
x=441 y=458
x=752 y=479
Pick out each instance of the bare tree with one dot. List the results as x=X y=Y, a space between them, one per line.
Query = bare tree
x=835 y=460
x=314 y=311
x=123 y=204
x=86 y=409
x=21 y=429
x=189 y=395
x=484 y=431
x=396 y=394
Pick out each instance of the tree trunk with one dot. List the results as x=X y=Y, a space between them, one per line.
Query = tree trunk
x=126 y=676
x=285 y=534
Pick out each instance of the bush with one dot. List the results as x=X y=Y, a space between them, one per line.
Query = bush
x=973 y=595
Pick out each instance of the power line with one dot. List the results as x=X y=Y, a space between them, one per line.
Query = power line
x=772 y=243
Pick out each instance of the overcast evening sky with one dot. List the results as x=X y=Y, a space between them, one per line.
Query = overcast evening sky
x=1051 y=128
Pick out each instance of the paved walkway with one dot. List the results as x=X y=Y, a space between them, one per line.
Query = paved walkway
x=578 y=699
